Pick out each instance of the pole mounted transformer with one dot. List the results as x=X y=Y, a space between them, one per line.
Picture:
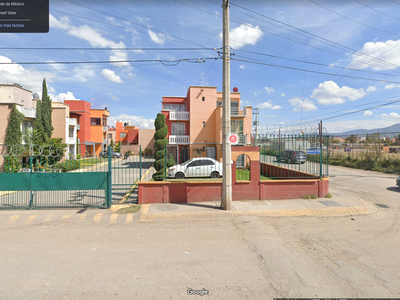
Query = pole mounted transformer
x=226 y=201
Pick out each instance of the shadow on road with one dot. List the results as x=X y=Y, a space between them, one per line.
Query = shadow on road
x=394 y=189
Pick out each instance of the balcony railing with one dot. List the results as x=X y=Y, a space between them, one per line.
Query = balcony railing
x=105 y=128
x=78 y=127
x=179 y=139
x=71 y=140
x=179 y=115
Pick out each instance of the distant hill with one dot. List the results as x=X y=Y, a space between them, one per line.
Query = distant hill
x=393 y=130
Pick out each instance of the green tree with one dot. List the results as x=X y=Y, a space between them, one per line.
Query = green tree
x=112 y=144
x=39 y=136
x=13 y=132
x=13 y=139
x=335 y=141
x=117 y=147
x=170 y=161
x=160 y=143
x=46 y=112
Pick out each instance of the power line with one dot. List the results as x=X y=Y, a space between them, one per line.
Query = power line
x=319 y=37
x=108 y=49
x=316 y=72
x=377 y=10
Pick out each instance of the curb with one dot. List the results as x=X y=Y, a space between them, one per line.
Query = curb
x=365 y=209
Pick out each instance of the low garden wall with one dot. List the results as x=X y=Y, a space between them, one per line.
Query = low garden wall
x=254 y=189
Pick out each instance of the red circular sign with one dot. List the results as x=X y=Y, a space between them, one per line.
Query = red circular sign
x=233 y=138
x=235 y=89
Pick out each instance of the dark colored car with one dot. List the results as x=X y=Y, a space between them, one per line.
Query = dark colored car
x=113 y=154
x=398 y=181
x=292 y=157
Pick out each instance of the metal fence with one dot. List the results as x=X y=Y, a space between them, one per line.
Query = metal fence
x=34 y=176
x=294 y=156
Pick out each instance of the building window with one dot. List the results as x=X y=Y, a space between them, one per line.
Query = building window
x=237 y=126
x=95 y=121
x=175 y=107
x=105 y=122
x=203 y=98
x=71 y=131
x=110 y=136
x=122 y=135
x=204 y=124
x=178 y=128
x=219 y=103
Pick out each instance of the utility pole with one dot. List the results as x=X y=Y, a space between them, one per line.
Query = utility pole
x=255 y=123
x=226 y=201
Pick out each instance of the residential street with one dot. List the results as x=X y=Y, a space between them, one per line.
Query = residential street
x=246 y=257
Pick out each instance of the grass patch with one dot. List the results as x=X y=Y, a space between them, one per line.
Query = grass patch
x=328 y=195
x=129 y=210
x=87 y=162
x=310 y=197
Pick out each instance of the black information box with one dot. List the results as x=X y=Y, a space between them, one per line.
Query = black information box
x=24 y=16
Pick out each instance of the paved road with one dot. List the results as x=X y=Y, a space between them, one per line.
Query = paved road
x=245 y=257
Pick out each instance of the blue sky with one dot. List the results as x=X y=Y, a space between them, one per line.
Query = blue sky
x=297 y=61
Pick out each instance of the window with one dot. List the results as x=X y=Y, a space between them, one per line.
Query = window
x=175 y=107
x=178 y=128
x=95 y=121
x=105 y=122
x=237 y=126
x=110 y=136
x=219 y=103
x=234 y=108
x=122 y=135
x=203 y=98
x=71 y=131
x=204 y=124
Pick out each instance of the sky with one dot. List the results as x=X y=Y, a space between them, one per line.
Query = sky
x=299 y=62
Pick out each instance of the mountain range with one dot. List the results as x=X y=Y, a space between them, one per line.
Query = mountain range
x=393 y=130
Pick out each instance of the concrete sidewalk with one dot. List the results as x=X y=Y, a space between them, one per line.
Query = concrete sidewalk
x=340 y=204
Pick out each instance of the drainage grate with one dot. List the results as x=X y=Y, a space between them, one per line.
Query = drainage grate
x=329 y=203
x=382 y=205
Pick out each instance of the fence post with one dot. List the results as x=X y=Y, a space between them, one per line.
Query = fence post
x=140 y=162
x=165 y=164
x=108 y=196
x=30 y=183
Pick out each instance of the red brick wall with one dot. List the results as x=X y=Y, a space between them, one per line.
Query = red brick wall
x=280 y=172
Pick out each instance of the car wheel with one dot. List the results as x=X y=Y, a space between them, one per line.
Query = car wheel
x=302 y=162
x=215 y=174
x=179 y=176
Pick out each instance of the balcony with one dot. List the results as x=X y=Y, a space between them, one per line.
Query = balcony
x=71 y=140
x=179 y=140
x=179 y=115
x=105 y=141
x=105 y=128
x=78 y=127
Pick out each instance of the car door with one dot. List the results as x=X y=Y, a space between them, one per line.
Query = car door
x=207 y=167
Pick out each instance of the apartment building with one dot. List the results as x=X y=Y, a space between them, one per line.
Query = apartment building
x=195 y=123
x=64 y=126
x=16 y=94
x=99 y=129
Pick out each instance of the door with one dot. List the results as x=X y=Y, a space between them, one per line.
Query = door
x=184 y=154
x=212 y=152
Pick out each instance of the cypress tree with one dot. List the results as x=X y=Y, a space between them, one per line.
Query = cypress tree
x=14 y=133
x=38 y=133
x=161 y=141
x=46 y=113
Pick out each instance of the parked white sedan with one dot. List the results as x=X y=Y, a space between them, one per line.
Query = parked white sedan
x=197 y=167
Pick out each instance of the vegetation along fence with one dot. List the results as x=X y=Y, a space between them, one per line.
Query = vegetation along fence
x=33 y=176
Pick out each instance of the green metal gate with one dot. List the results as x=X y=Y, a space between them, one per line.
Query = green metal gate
x=33 y=177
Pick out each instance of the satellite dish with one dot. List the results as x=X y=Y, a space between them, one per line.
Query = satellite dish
x=36 y=96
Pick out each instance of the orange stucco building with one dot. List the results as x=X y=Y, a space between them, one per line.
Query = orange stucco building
x=195 y=123
x=98 y=129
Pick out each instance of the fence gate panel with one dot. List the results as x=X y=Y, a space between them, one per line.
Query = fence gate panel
x=126 y=172
x=34 y=176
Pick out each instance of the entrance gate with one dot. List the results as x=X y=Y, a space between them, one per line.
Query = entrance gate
x=33 y=177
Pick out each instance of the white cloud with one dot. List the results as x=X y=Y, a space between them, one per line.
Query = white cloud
x=371 y=89
x=329 y=93
x=384 y=51
x=265 y=105
x=275 y=107
x=110 y=75
x=91 y=35
x=269 y=90
x=242 y=67
x=158 y=38
x=302 y=104
x=367 y=113
x=134 y=120
x=283 y=95
x=113 y=97
x=392 y=86
x=245 y=34
x=63 y=96
x=257 y=93
x=390 y=116
x=27 y=78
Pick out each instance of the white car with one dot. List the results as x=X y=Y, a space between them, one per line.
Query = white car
x=197 y=167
